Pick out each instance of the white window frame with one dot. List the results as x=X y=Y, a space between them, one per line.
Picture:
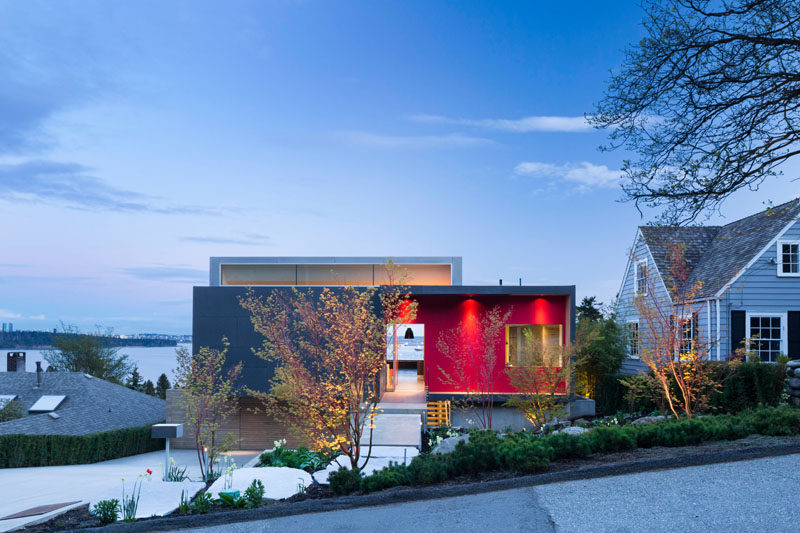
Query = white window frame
x=694 y=330
x=636 y=287
x=638 y=339
x=784 y=325
x=779 y=260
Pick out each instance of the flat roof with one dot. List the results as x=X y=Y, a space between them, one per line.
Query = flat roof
x=527 y=290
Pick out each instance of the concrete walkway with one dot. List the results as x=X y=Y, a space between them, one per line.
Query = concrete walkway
x=754 y=495
x=24 y=488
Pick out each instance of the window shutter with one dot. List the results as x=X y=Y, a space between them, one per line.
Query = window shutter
x=738 y=329
x=793 y=334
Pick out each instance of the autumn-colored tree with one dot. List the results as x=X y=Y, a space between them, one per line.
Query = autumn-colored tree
x=542 y=376
x=330 y=347
x=398 y=307
x=471 y=350
x=671 y=343
x=207 y=399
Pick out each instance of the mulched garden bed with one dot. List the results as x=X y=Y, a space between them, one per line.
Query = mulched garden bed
x=81 y=518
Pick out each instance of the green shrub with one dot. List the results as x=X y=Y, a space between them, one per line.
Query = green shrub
x=302 y=458
x=480 y=454
x=344 y=481
x=566 y=446
x=18 y=451
x=202 y=503
x=106 y=511
x=609 y=439
x=392 y=476
x=521 y=452
x=524 y=455
x=751 y=385
x=610 y=395
x=431 y=468
x=254 y=494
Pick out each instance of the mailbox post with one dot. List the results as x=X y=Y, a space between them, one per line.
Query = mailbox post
x=167 y=431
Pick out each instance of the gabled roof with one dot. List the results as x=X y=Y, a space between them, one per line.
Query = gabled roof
x=715 y=254
x=92 y=405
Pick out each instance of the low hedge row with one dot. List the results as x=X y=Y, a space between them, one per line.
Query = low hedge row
x=527 y=453
x=751 y=385
x=49 y=450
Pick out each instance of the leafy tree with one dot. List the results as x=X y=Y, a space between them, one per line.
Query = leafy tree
x=11 y=410
x=589 y=309
x=708 y=99
x=472 y=353
x=134 y=380
x=162 y=385
x=542 y=378
x=89 y=354
x=671 y=344
x=330 y=347
x=207 y=399
x=600 y=349
x=149 y=388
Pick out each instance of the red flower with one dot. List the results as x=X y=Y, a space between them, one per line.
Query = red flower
x=149 y=472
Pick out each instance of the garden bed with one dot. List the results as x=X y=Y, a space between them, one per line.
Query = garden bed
x=81 y=518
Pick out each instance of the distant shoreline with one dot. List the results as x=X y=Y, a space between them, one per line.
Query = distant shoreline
x=43 y=340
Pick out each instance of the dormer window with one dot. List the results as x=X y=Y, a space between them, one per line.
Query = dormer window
x=640 y=278
x=788 y=258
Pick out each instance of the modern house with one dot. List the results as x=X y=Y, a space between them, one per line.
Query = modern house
x=547 y=312
x=72 y=403
x=747 y=275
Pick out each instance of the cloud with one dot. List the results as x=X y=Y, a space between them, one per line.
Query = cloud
x=4 y=313
x=246 y=239
x=71 y=185
x=453 y=140
x=520 y=125
x=167 y=273
x=586 y=175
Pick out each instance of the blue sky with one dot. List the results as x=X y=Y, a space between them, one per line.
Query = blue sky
x=140 y=138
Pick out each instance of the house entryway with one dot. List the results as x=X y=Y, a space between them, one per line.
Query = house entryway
x=401 y=412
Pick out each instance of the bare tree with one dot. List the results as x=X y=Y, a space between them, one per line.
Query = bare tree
x=472 y=353
x=709 y=99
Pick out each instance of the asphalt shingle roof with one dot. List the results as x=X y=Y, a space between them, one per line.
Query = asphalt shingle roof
x=715 y=254
x=92 y=405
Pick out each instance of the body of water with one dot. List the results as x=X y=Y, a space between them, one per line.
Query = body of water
x=152 y=362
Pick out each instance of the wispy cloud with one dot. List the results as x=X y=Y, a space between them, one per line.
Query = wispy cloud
x=167 y=273
x=246 y=239
x=585 y=175
x=73 y=186
x=453 y=140
x=519 y=125
x=5 y=313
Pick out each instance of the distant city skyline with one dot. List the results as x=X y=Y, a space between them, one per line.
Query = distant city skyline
x=140 y=139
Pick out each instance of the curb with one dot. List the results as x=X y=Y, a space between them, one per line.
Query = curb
x=429 y=493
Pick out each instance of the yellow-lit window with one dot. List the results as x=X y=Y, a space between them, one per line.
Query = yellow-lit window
x=533 y=344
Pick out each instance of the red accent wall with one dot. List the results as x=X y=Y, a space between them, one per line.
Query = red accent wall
x=442 y=312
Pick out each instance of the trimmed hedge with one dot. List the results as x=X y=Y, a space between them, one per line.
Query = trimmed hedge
x=751 y=385
x=49 y=450
x=526 y=453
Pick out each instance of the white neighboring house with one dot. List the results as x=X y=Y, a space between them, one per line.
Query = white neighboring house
x=750 y=274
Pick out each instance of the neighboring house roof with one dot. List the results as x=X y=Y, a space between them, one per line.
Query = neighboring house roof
x=715 y=254
x=92 y=405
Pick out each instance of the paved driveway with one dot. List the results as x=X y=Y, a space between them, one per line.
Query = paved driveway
x=743 y=496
